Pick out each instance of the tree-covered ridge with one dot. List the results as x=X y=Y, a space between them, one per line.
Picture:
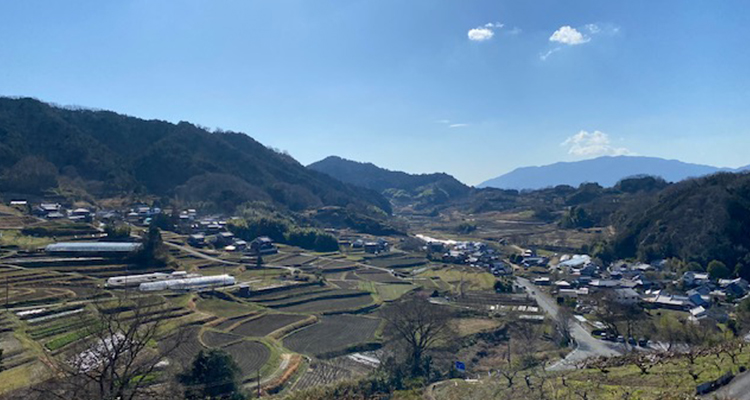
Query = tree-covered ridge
x=434 y=188
x=108 y=154
x=697 y=220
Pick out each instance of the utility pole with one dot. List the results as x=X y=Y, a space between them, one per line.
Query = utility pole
x=508 y=350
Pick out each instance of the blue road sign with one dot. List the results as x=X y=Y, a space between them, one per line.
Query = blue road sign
x=460 y=366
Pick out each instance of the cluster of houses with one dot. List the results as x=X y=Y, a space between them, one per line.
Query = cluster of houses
x=475 y=254
x=371 y=246
x=531 y=259
x=627 y=283
x=51 y=210
x=54 y=211
x=226 y=241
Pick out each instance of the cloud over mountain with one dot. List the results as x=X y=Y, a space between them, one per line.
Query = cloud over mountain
x=593 y=144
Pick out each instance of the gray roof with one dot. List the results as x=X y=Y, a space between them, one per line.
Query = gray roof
x=92 y=247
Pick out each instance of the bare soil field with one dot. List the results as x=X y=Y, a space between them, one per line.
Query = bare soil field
x=302 y=298
x=266 y=324
x=289 y=294
x=344 y=304
x=321 y=373
x=397 y=262
x=491 y=299
x=188 y=347
x=249 y=355
x=222 y=326
x=346 y=284
x=377 y=276
x=333 y=333
x=295 y=260
x=218 y=339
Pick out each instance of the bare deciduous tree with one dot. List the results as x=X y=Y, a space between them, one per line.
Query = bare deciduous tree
x=420 y=325
x=564 y=325
x=119 y=359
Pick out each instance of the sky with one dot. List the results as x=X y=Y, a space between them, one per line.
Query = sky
x=471 y=88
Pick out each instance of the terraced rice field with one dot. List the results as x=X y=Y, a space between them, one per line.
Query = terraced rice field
x=297 y=259
x=321 y=373
x=219 y=339
x=39 y=296
x=314 y=295
x=377 y=276
x=289 y=294
x=352 y=304
x=249 y=355
x=486 y=299
x=14 y=353
x=397 y=262
x=332 y=333
x=347 y=284
x=266 y=324
x=231 y=321
x=187 y=348
x=333 y=266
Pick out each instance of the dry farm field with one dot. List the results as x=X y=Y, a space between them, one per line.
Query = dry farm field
x=333 y=333
x=266 y=324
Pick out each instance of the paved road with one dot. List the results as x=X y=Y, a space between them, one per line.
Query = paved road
x=200 y=254
x=588 y=346
x=356 y=264
x=738 y=389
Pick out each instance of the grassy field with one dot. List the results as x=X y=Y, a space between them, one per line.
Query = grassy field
x=462 y=279
x=13 y=238
x=386 y=291
x=470 y=326
x=21 y=376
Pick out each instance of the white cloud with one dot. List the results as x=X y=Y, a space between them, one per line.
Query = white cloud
x=593 y=144
x=451 y=124
x=569 y=36
x=544 y=56
x=593 y=28
x=480 y=34
x=484 y=32
x=515 y=31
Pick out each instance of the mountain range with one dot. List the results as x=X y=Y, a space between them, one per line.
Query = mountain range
x=606 y=171
x=399 y=186
x=92 y=154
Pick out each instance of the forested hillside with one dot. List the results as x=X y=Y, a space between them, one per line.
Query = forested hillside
x=427 y=189
x=107 y=154
x=697 y=220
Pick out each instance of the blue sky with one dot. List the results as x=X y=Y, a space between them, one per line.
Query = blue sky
x=472 y=88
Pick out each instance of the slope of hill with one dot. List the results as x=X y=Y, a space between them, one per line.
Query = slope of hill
x=109 y=155
x=698 y=220
x=435 y=188
x=605 y=171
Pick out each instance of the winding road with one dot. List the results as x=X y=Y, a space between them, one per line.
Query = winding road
x=587 y=345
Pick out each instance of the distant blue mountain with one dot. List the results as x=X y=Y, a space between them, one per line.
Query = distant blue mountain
x=606 y=171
